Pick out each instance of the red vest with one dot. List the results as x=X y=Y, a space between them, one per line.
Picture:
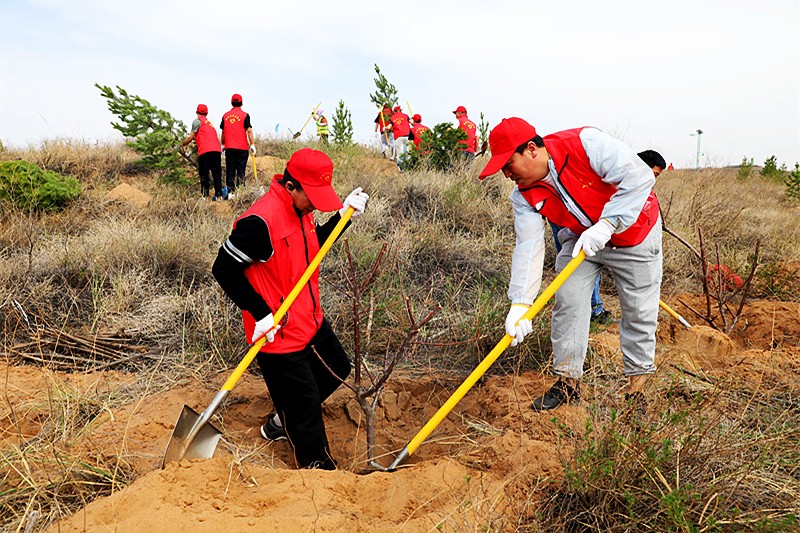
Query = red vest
x=468 y=127
x=586 y=188
x=400 y=125
x=234 y=133
x=294 y=244
x=383 y=120
x=206 y=137
x=418 y=130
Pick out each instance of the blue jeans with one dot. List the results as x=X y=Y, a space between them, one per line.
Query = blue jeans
x=597 y=302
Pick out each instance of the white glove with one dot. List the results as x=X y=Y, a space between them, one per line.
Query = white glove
x=264 y=325
x=253 y=148
x=357 y=200
x=594 y=239
x=514 y=326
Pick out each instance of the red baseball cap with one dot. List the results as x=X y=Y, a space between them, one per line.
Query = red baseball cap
x=202 y=109
x=460 y=109
x=503 y=140
x=417 y=118
x=397 y=108
x=314 y=170
x=236 y=99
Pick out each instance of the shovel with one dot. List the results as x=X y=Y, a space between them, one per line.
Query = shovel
x=674 y=314
x=194 y=437
x=296 y=135
x=484 y=365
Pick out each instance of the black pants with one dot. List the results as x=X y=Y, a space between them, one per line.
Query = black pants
x=298 y=383
x=235 y=165
x=210 y=162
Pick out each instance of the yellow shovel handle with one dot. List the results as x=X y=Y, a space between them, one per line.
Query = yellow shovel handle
x=281 y=312
x=674 y=314
x=309 y=117
x=255 y=172
x=484 y=365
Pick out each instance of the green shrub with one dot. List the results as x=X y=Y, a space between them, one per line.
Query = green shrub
x=439 y=148
x=29 y=187
x=792 y=182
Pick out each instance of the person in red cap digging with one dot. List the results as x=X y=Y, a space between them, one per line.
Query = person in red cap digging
x=209 y=153
x=237 y=139
x=599 y=190
x=468 y=127
x=268 y=250
x=417 y=129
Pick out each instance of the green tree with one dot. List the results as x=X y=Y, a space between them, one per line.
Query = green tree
x=792 y=182
x=483 y=132
x=439 y=148
x=745 y=169
x=150 y=131
x=342 y=125
x=770 y=168
x=385 y=91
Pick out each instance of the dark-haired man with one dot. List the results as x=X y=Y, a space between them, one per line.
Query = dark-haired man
x=269 y=249
x=237 y=139
x=600 y=192
x=654 y=161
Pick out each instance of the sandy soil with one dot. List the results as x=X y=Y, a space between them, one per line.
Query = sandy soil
x=477 y=470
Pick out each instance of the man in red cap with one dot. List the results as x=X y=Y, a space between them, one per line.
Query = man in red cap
x=401 y=128
x=268 y=251
x=417 y=129
x=383 y=126
x=599 y=190
x=468 y=127
x=209 y=157
x=237 y=139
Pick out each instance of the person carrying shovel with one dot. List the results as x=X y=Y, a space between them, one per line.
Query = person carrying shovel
x=600 y=192
x=268 y=250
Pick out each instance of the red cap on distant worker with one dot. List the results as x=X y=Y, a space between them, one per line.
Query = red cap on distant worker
x=397 y=108
x=202 y=109
x=314 y=170
x=417 y=118
x=236 y=99
x=460 y=109
x=503 y=140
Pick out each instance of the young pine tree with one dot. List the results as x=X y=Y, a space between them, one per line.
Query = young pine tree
x=342 y=125
x=152 y=132
x=385 y=91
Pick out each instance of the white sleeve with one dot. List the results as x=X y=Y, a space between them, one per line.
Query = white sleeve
x=527 y=263
x=618 y=165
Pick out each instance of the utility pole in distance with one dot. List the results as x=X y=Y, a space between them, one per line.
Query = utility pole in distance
x=697 y=159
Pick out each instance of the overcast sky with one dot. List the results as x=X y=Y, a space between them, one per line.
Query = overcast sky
x=649 y=73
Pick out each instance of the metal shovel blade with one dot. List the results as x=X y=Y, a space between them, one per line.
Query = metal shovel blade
x=296 y=135
x=201 y=447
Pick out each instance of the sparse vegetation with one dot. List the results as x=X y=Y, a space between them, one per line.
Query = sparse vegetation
x=716 y=450
x=745 y=168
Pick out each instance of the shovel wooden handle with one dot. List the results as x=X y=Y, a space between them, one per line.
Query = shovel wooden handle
x=281 y=312
x=296 y=135
x=484 y=365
